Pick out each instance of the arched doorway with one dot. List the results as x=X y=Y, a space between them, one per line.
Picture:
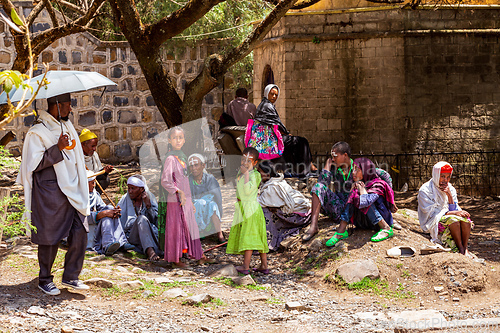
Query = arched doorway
x=267 y=78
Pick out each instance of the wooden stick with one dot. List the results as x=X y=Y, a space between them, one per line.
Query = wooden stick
x=212 y=248
x=105 y=193
x=102 y=172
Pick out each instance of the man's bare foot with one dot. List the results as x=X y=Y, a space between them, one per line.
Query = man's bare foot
x=152 y=256
x=468 y=254
x=309 y=235
x=205 y=260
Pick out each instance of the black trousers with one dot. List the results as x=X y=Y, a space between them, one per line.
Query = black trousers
x=73 y=262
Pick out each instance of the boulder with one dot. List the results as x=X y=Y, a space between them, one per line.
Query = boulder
x=131 y=284
x=243 y=280
x=100 y=282
x=174 y=293
x=226 y=271
x=357 y=270
x=201 y=298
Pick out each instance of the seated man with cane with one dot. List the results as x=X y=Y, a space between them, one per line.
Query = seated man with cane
x=108 y=235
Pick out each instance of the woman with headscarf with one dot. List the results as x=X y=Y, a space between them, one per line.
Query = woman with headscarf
x=370 y=204
x=273 y=141
x=206 y=196
x=286 y=210
x=439 y=213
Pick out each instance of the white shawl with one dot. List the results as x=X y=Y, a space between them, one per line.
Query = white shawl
x=71 y=173
x=433 y=203
x=277 y=193
x=93 y=163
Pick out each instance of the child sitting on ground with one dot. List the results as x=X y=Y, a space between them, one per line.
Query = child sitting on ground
x=248 y=231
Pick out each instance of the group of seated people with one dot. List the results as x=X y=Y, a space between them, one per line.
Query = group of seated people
x=191 y=207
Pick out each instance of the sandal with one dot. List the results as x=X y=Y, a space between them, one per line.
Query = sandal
x=334 y=240
x=242 y=271
x=263 y=271
x=378 y=237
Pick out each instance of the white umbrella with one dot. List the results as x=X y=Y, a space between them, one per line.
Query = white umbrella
x=61 y=82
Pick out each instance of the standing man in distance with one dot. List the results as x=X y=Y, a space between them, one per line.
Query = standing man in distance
x=56 y=193
x=240 y=108
x=89 y=141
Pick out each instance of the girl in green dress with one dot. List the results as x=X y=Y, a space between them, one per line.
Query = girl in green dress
x=248 y=231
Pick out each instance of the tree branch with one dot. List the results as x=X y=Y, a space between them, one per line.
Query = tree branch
x=52 y=14
x=258 y=34
x=179 y=20
x=300 y=5
x=34 y=13
x=73 y=7
x=128 y=19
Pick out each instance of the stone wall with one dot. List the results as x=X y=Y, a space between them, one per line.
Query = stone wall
x=124 y=117
x=388 y=81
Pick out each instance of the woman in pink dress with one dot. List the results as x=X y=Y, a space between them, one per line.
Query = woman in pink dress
x=181 y=231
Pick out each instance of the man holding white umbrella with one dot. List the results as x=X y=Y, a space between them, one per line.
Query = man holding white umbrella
x=54 y=176
x=56 y=192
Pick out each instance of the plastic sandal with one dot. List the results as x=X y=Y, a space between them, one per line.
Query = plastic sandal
x=378 y=236
x=334 y=240
x=263 y=271
x=243 y=271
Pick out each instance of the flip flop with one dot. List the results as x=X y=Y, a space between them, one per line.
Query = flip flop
x=430 y=249
x=378 y=236
x=307 y=236
x=243 y=271
x=263 y=271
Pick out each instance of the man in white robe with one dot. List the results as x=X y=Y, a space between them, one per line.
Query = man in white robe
x=56 y=191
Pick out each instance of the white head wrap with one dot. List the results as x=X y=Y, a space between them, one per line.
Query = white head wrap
x=199 y=156
x=268 y=88
x=138 y=180
x=433 y=203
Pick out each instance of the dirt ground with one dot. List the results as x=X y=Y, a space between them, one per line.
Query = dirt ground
x=475 y=284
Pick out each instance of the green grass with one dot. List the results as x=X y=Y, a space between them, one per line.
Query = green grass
x=379 y=287
x=399 y=266
x=274 y=300
x=156 y=288
x=405 y=274
x=299 y=270
x=229 y=282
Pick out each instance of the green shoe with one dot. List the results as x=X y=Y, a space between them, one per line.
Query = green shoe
x=334 y=240
x=382 y=234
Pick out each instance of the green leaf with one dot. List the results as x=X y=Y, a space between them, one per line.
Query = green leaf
x=7 y=86
x=15 y=17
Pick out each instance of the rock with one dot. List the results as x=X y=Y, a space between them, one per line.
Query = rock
x=357 y=270
x=456 y=299
x=163 y=279
x=100 y=282
x=315 y=245
x=243 y=280
x=147 y=293
x=122 y=269
x=131 y=284
x=259 y=299
x=201 y=298
x=294 y=306
x=100 y=257
x=67 y=329
x=104 y=270
x=226 y=271
x=421 y=318
x=184 y=279
x=71 y=314
x=370 y=316
x=174 y=293
x=137 y=270
x=438 y=289
x=443 y=293
x=289 y=242
x=205 y=329
x=36 y=310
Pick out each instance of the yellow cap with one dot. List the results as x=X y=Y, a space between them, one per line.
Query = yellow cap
x=87 y=135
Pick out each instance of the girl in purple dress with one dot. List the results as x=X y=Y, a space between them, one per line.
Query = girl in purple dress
x=181 y=231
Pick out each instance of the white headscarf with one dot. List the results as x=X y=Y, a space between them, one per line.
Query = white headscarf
x=138 y=180
x=433 y=203
x=199 y=156
x=70 y=172
x=268 y=88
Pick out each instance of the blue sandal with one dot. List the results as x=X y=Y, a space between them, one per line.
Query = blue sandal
x=334 y=240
